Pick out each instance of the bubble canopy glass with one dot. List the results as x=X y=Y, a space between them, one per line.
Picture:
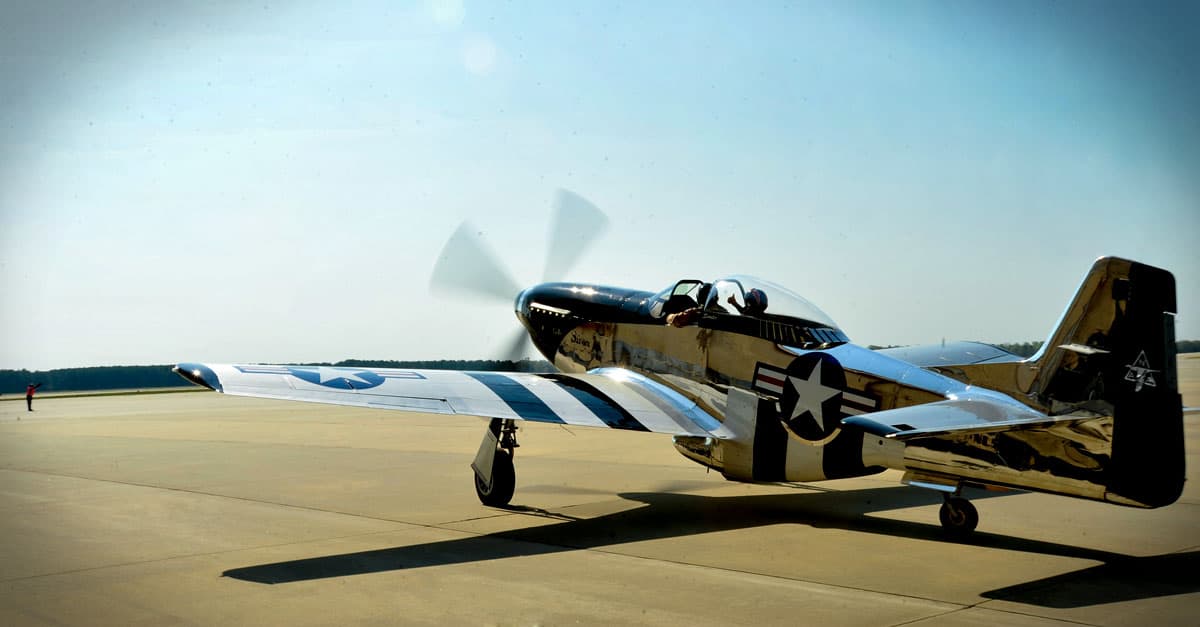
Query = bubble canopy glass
x=781 y=303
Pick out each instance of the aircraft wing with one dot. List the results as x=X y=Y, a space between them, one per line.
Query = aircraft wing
x=610 y=398
x=952 y=417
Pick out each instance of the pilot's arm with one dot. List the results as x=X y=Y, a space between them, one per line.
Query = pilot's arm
x=684 y=318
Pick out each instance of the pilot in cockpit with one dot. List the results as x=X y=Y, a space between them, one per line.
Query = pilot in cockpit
x=756 y=302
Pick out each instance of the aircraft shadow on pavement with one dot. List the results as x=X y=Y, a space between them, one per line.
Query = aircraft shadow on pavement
x=1121 y=578
x=670 y=515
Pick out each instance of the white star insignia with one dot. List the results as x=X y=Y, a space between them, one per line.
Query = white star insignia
x=330 y=374
x=810 y=395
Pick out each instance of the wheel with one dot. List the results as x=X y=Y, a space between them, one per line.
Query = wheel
x=504 y=481
x=958 y=516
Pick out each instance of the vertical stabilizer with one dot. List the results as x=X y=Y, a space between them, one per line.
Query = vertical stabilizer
x=1113 y=353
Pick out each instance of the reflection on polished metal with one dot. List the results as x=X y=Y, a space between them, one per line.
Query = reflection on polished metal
x=1067 y=457
x=1046 y=423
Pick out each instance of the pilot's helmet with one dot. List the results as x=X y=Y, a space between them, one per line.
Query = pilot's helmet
x=756 y=300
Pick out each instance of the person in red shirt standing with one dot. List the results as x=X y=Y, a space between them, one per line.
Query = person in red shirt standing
x=29 y=390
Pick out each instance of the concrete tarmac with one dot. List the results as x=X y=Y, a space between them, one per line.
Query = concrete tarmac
x=202 y=509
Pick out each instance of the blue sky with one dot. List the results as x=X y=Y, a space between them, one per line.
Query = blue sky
x=222 y=182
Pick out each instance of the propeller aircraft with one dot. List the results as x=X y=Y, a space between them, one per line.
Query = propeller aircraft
x=755 y=382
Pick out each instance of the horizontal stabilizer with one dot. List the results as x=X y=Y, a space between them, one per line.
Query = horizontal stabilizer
x=957 y=417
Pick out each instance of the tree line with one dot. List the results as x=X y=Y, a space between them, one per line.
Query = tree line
x=1028 y=349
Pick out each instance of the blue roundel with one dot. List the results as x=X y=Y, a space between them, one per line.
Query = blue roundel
x=811 y=403
x=338 y=378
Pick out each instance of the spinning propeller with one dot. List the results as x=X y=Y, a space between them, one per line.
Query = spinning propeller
x=468 y=267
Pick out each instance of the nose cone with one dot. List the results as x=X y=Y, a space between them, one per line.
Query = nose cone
x=545 y=311
x=521 y=307
x=550 y=310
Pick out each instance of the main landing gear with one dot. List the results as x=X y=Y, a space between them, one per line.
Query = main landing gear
x=495 y=477
x=959 y=517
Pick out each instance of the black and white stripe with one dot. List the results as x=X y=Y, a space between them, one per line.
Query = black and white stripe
x=565 y=401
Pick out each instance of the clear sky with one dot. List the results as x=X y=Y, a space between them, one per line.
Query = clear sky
x=230 y=181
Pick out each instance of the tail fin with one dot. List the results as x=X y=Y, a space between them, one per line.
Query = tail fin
x=1113 y=352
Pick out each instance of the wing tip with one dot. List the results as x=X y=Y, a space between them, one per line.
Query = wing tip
x=199 y=374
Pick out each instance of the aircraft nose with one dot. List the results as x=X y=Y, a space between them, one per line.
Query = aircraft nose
x=521 y=307
x=545 y=312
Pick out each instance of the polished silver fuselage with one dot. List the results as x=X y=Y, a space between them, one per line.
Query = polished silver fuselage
x=812 y=401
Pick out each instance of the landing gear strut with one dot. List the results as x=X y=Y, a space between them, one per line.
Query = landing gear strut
x=959 y=517
x=495 y=477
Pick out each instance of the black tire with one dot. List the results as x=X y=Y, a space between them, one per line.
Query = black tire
x=958 y=516
x=504 y=481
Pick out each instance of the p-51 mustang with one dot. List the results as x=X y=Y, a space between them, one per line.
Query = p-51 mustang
x=758 y=384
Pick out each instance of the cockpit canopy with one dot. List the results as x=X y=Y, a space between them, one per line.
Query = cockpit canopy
x=751 y=306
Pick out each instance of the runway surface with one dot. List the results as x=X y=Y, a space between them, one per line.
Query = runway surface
x=204 y=509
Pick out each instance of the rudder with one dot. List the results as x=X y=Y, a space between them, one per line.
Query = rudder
x=1113 y=352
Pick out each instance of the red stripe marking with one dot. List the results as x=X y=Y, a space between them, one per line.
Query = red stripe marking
x=770 y=379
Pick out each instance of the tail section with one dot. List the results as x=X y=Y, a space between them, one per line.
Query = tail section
x=1113 y=353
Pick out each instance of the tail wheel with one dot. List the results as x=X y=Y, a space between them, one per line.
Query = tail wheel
x=958 y=516
x=504 y=481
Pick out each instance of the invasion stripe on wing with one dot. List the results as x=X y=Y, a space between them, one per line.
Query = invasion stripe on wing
x=518 y=397
x=599 y=404
x=560 y=401
x=566 y=405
